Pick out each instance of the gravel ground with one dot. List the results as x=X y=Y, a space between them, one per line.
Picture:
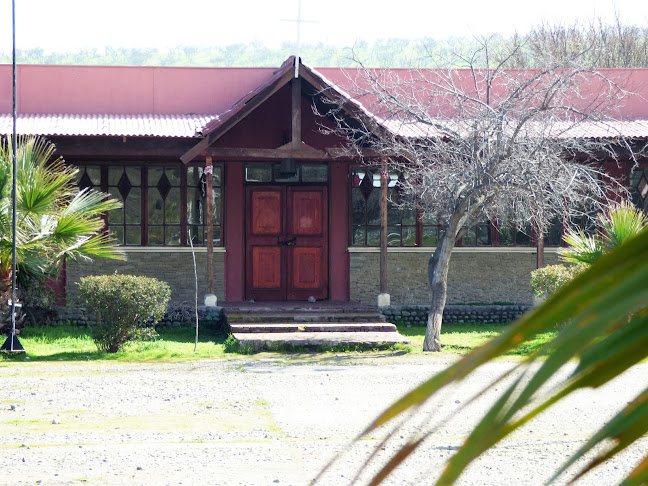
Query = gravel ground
x=265 y=421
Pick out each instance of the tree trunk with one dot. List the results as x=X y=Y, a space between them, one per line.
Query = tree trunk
x=438 y=278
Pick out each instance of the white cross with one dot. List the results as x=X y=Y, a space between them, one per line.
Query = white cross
x=298 y=21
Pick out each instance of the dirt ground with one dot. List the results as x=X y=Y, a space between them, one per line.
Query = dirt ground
x=267 y=420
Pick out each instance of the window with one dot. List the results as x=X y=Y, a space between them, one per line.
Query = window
x=639 y=187
x=554 y=234
x=365 y=210
x=125 y=185
x=286 y=172
x=163 y=194
x=514 y=234
x=431 y=229
x=197 y=206
x=479 y=235
x=154 y=199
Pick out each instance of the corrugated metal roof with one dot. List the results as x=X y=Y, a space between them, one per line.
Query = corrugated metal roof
x=609 y=129
x=192 y=125
x=107 y=125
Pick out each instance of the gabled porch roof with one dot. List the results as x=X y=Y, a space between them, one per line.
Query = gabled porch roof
x=221 y=124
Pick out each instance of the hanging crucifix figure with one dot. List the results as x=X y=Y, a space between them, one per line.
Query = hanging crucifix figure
x=298 y=21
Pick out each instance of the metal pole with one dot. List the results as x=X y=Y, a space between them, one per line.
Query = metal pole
x=12 y=344
x=13 y=181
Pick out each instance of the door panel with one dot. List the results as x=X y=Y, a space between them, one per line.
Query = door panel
x=286 y=243
x=307 y=213
x=266 y=260
x=266 y=213
x=264 y=257
x=307 y=266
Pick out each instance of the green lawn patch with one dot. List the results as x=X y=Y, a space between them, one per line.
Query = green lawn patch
x=72 y=343
x=463 y=338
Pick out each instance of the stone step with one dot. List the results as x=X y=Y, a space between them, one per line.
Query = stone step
x=271 y=341
x=302 y=316
x=288 y=327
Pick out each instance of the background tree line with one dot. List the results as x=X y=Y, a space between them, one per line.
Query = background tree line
x=599 y=44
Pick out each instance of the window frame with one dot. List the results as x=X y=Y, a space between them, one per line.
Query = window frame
x=144 y=167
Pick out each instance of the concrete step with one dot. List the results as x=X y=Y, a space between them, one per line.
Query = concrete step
x=276 y=340
x=302 y=316
x=287 y=327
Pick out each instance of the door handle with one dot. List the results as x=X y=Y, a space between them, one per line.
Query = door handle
x=289 y=242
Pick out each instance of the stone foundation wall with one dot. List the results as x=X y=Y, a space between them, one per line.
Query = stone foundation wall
x=175 y=267
x=212 y=318
x=416 y=315
x=490 y=275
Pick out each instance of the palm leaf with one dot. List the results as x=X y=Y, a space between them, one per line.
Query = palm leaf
x=581 y=249
x=605 y=311
x=54 y=219
x=620 y=223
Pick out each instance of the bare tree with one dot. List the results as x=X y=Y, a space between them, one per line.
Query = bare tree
x=600 y=44
x=487 y=143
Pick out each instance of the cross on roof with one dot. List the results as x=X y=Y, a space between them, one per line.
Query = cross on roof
x=298 y=21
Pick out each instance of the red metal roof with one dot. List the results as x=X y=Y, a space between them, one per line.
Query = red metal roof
x=190 y=102
x=108 y=125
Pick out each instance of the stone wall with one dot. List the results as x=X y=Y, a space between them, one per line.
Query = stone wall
x=416 y=315
x=489 y=275
x=211 y=318
x=173 y=266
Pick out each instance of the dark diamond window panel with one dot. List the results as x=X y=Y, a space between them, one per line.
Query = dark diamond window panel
x=164 y=186
x=85 y=182
x=366 y=186
x=124 y=185
x=642 y=187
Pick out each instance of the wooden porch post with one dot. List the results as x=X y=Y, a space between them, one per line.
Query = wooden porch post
x=383 y=297
x=210 y=225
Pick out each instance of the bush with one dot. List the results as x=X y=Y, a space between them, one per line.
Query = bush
x=122 y=305
x=546 y=280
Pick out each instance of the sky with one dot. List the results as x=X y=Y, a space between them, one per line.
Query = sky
x=71 y=25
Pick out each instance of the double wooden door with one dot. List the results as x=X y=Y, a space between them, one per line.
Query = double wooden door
x=286 y=243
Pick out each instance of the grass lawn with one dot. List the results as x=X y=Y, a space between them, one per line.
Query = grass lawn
x=70 y=343
x=462 y=338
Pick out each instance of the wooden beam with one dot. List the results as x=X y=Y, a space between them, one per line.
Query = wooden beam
x=210 y=225
x=264 y=154
x=384 y=180
x=93 y=148
x=296 y=124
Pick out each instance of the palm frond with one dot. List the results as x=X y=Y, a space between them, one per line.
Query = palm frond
x=621 y=222
x=581 y=249
x=605 y=309
x=55 y=220
x=97 y=246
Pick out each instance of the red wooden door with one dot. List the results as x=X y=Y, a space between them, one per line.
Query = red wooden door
x=286 y=243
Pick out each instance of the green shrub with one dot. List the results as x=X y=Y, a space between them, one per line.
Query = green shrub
x=546 y=280
x=123 y=304
x=231 y=345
